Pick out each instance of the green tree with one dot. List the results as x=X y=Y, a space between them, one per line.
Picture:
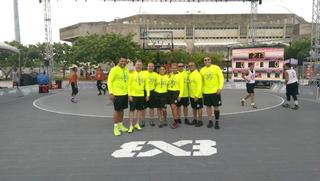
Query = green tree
x=104 y=48
x=299 y=49
x=62 y=56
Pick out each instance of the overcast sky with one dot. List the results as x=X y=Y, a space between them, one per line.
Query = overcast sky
x=68 y=12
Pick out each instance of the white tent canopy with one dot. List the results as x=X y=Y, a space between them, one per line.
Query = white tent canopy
x=4 y=46
x=292 y=61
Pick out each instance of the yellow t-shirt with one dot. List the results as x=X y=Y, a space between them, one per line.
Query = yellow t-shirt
x=118 y=81
x=185 y=75
x=212 y=79
x=176 y=83
x=162 y=82
x=195 y=84
x=138 y=83
x=152 y=79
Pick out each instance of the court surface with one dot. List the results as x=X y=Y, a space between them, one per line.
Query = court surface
x=46 y=137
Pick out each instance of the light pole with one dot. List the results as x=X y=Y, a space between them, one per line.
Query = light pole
x=228 y=62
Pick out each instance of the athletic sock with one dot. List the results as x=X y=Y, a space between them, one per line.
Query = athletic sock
x=217 y=115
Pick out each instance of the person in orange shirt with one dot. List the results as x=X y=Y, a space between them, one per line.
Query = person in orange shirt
x=100 y=77
x=73 y=80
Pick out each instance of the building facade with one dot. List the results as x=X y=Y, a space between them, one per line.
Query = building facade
x=198 y=32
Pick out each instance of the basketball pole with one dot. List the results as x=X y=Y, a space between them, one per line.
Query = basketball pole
x=158 y=58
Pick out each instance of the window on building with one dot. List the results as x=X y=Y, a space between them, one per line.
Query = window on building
x=142 y=31
x=189 y=32
x=261 y=64
x=250 y=63
x=268 y=75
x=239 y=65
x=277 y=75
x=235 y=74
x=273 y=64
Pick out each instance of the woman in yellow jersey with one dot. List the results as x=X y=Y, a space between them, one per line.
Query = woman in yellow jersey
x=138 y=85
x=160 y=90
x=175 y=92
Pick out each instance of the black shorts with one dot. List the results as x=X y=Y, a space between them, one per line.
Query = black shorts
x=250 y=88
x=172 y=97
x=74 y=88
x=184 y=101
x=120 y=102
x=160 y=100
x=196 y=104
x=212 y=99
x=138 y=103
x=151 y=103
x=293 y=89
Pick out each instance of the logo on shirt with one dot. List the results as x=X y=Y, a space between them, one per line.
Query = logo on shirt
x=209 y=76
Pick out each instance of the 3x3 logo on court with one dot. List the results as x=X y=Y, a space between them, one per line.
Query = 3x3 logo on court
x=134 y=148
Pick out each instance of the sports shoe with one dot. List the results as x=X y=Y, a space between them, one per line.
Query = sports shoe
x=73 y=100
x=165 y=124
x=142 y=124
x=216 y=125
x=286 y=105
x=194 y=122
x=210 y=125
x=116 y=131
x=254 y=107
x=187 y=122
x=198 y=124
x=242 y=102
x=137 y=127
x=130 y=129
x=160 y=125
x=179 y=121
x=296 y=107
x=151 y=122
x=174 y=125
x=122 y=128
x=99 y=94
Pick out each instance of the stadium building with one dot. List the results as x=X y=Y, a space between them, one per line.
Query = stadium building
x=204 y=32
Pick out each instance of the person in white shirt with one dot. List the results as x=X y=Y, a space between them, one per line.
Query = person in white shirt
x=292 y=88
x=250 y=77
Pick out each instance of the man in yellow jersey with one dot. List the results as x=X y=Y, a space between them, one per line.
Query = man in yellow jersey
x=195 y=91
x=151 y=76
x=174 y=94
x=160 y=90
x=118 y=92
x=184 y=101
x=138 y=83
x=213 y=80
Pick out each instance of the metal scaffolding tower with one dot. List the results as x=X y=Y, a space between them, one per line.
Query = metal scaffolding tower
x=315 y=34
x=48 y=38
x=253 y=22
x=16 y=21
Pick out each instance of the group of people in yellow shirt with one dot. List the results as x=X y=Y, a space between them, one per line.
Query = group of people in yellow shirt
x=175 y=87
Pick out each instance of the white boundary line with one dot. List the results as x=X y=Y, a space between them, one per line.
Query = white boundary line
x=99 y=116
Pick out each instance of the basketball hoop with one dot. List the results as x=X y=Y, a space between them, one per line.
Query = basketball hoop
x=158 y=40
x=157 y=47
